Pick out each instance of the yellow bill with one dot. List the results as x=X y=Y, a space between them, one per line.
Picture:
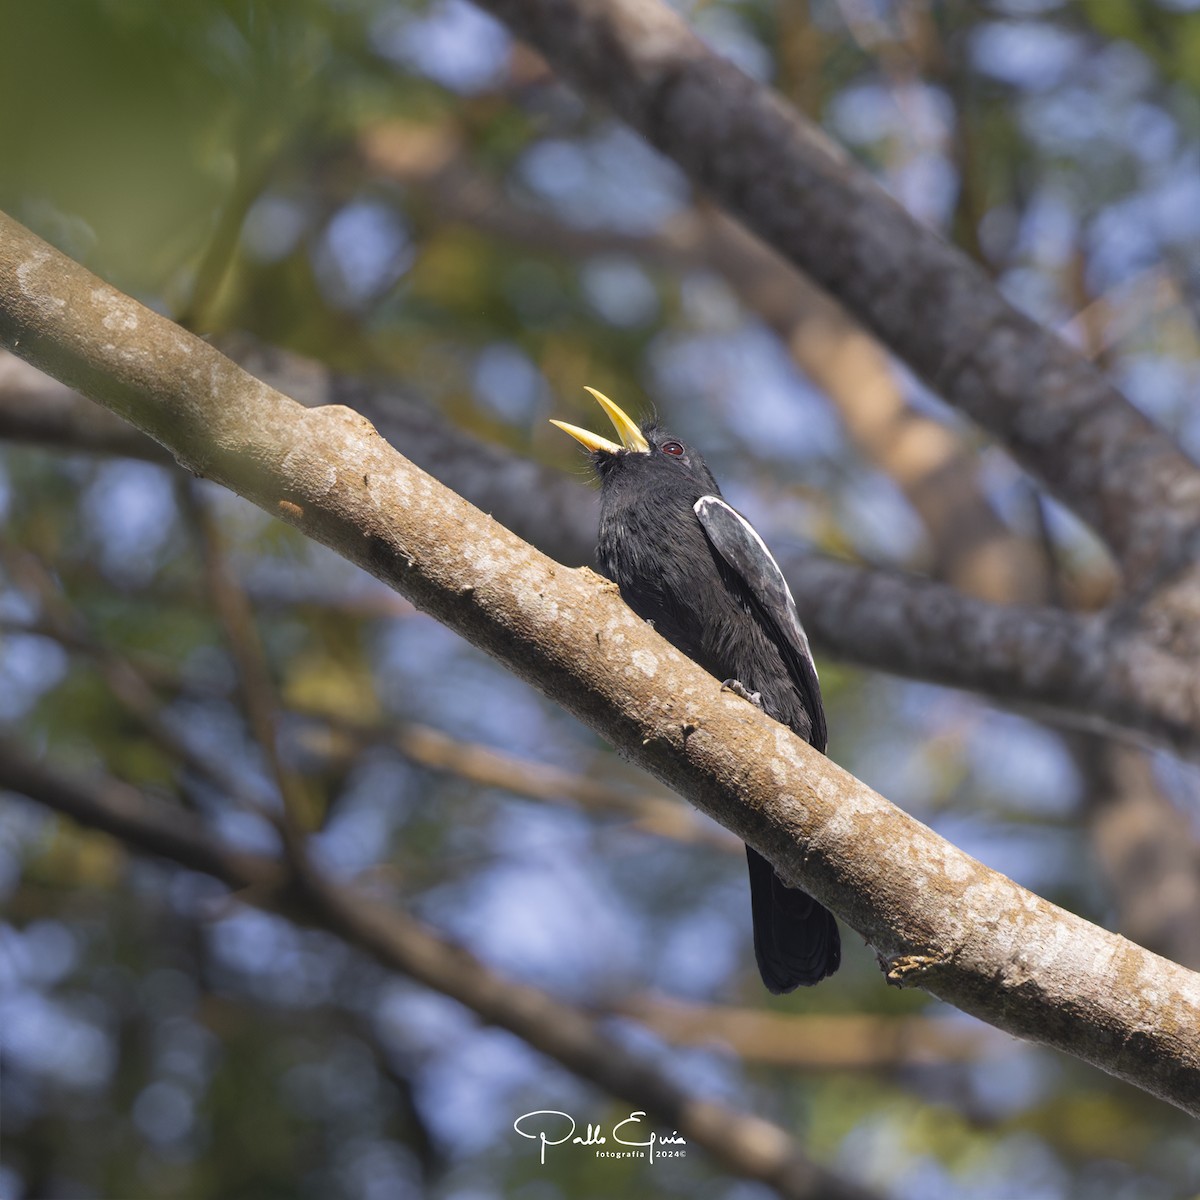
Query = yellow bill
x=588 y=439
x=631 y=436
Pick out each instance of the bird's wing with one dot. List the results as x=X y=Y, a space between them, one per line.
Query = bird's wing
x=738 y=543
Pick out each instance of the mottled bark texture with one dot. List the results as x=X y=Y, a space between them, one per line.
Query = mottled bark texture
x=936 y=917
x=764 y=163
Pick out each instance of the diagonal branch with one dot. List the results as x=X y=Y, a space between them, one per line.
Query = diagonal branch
x=741 y=1143
x=766 y=164
x=936 y=917
x=644 y=811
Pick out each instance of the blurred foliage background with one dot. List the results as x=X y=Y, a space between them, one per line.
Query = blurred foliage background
x=400 y=191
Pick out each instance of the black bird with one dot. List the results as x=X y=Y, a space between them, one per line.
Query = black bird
x=697 y=569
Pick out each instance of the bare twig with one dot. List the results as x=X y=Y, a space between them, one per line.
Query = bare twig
x=254 y=675
x=425 y=746
x=142 y=824
x=488 y=767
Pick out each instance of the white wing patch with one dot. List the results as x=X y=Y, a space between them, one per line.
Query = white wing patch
x=712 y=510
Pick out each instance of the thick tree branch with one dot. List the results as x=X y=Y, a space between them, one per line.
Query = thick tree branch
x=743 y=1144
x=1091 y=672
x=937 y=918
x=926 y=301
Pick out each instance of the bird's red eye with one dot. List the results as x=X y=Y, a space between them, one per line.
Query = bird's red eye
x=672 y=448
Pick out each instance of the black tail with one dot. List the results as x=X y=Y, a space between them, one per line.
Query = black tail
x=796 y=941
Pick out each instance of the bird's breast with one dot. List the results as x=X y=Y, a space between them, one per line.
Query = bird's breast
x=660 y=557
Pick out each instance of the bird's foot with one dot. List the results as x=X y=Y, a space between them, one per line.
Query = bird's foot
x=738 y=688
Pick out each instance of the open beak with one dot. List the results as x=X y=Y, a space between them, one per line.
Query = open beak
x=631 y=436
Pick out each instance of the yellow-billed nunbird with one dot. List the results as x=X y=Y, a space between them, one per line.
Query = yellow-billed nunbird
x=697 y=569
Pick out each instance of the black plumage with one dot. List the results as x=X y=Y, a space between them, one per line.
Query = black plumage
x=690 y=563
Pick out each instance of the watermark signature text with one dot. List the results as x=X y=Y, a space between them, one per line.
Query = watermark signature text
x=629 y=1138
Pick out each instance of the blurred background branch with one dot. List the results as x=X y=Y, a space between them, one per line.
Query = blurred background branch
x=741 y=1143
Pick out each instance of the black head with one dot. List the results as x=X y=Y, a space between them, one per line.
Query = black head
x=649 y=457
